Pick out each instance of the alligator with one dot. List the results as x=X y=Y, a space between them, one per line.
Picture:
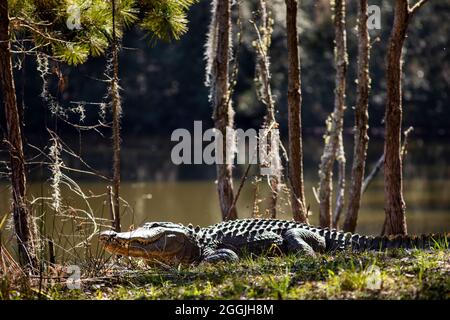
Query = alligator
x=172 y=243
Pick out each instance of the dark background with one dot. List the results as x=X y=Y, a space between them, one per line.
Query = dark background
x=163 y=87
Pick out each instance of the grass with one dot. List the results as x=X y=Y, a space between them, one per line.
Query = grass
x=396 y=274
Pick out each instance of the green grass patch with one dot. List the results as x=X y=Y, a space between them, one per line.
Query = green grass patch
x=397 y=274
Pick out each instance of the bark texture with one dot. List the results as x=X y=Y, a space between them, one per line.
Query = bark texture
x=21 y=214
x=361 y=138
x=395 y=220
x=294 y=106
x=263 y=76
x=335 y=122
x=340 y=194
x=116 y=114
x=223 y=111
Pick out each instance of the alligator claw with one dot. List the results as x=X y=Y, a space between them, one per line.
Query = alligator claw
x=225 y=255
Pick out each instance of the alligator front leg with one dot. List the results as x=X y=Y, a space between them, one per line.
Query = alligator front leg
x=303 y=241
x=226 y=255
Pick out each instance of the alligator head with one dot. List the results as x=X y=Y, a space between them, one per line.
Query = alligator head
x=161 y=241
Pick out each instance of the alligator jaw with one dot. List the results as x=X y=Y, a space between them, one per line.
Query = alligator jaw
x=114 y=244
x=138 y=243
x=164 y=244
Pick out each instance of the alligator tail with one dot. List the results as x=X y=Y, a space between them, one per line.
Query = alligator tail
x=336 y=240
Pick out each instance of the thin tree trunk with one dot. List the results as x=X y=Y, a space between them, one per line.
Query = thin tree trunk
x=340 y=195
x=263 y=77
x=394 y=207
x=111 y=206
x=21 y=214
x=116 y=114
x=294 y=106
x=223 y=111
x=403 y=153
x=393 y=181
x=335 y=122
x=361 y=120
x=341 y=51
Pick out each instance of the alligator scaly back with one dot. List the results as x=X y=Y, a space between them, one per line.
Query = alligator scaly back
x=334 y=238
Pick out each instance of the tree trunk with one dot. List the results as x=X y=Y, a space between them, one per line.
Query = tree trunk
x=262 y=80
x=395 y=220
x=335 y=122
x=361 y=120
x=21 y=214
x=223 y=111
x=116 y=114
x=340 y=194
x=294 y=106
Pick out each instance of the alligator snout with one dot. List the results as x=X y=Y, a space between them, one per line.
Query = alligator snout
x=107 y=235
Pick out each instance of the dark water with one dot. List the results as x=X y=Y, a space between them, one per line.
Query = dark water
x=174 y=196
